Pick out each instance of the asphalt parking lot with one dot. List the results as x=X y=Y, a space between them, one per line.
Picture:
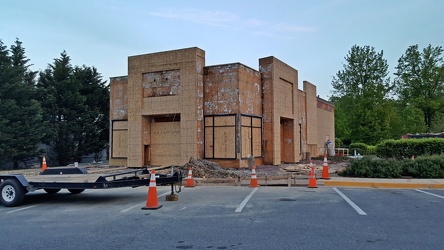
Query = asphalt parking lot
x=221 y=217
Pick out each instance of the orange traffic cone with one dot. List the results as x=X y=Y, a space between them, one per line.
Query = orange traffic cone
x=190 y=180
x=44 y=164
x=325 y=174
x=312 y=177
x=253 y=181
x=151 y=201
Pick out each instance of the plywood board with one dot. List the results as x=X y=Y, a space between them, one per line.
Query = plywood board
x=246 y=121
x=246 y=142
x=165 y=143
x=225 y=120
x=224 y=142
x=257 y=142
x=209 y=146
x=257 y=122
x=120 y=144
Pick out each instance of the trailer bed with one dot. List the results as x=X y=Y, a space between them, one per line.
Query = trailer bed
x=14 y=186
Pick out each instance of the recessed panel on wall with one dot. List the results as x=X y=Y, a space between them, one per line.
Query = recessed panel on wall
x=119 y=139
x=165 y=143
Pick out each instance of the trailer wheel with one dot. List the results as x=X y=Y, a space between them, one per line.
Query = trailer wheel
x=13 y=193
x=75 y=191
x=52 y=190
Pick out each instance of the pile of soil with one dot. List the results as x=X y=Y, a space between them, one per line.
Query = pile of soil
x=209 y=169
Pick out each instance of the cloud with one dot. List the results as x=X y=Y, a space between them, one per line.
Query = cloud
x=229 y=19
x=198 y=16
x=272 y=35
x=293 y=28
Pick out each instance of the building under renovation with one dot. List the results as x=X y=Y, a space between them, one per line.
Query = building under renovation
x=171 y=108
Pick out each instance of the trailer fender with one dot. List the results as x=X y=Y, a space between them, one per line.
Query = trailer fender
x=20 y=178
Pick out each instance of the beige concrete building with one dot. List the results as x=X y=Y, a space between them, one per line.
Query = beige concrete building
x=171 y=107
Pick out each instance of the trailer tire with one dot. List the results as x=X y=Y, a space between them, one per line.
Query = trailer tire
x=52 y=190
x=75 y=191
x=12 y=193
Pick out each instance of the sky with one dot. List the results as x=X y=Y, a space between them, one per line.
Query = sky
x=311 y=36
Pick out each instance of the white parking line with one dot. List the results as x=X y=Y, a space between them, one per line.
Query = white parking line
x=141 y=204
x=429 y=193
x=351 y=203
x=244 y=202
x=20 y=209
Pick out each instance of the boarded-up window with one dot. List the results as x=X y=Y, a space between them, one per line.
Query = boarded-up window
x=119 y=139
x=251 y=128
x=220 y=137
x=165 y=143
x=161 y=83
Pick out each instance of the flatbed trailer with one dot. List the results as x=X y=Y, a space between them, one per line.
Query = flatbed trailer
x=13 y=187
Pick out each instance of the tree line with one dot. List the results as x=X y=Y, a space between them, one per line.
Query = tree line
x=64 y=107
x=370 y=107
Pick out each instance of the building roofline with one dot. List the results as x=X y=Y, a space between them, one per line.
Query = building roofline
x=323 y=100
x=168 y=51
x=114 y=77
x=226 y=64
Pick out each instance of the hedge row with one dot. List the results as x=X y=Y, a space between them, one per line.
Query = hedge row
x=374 y=167
x=362 y=148
x=407 y=148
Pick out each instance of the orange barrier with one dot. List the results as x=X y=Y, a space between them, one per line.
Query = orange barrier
x=44 y=164
x=325 y=174
x=190 y=180
x=253 y=181
x=312 y=176
x=151 y=201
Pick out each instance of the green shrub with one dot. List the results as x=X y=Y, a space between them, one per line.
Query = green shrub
x=373 y=167
x=406 y=148
x=360 y=148
x=424 y=167
x=371 y=150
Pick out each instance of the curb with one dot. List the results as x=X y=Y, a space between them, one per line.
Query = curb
x=330 y=183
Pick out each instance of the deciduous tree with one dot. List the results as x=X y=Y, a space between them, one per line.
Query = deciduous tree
x=420 y=81
x=361 y=96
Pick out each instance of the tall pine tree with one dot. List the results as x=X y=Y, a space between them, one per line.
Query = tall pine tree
x=21 y=121
x=76 y=104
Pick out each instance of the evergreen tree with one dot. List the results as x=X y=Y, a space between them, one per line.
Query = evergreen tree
x=95 y=120
x=21 y=122
x=76 y=104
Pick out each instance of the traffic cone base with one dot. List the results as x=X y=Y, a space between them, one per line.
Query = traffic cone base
x=325 y=174
x=152 y=201
x=253 y=180
x=190 y=180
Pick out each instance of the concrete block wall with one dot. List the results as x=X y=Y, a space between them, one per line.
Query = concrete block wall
x=280 y=104
x=326 y=124
x=157 y=112
x=118 y=98
x=311 y=110
x=178 y=90
x=231 y=89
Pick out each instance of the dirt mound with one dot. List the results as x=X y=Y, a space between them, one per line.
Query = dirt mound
x=208 y=169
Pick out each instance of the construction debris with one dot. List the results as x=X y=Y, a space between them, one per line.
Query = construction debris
x=209 y=169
